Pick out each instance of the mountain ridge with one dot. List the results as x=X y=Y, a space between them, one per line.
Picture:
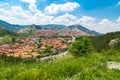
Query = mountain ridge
x=14 y=27
x=6 y=25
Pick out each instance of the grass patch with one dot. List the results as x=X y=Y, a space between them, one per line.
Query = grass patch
x=87 y=67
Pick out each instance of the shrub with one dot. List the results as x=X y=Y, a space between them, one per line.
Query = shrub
x=81 y=47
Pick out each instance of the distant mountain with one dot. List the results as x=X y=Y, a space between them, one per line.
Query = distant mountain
x=9 y=26
x=71 y=27
x=95 y=32
x=53 y=26
x=34 y=26
x=81 y=28
x=13 y=27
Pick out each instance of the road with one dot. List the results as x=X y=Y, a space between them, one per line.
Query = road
x=48 y=58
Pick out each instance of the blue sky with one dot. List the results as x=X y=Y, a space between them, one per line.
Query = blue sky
x=100 y=15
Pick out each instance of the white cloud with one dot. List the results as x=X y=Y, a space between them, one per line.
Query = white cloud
x=86 y=21
x=40 y=18
x=13 y=11
x=17 y=11
x=66 y=7
x=3 y=4
x=118 y=3
x=17 y=15
x=66 y=19
x=103 y=26
x=69 y=19
x=14 y=15
x=32 y=5
x=118 y=20
x=29 y=1
x=106 y=25
x=105 y=21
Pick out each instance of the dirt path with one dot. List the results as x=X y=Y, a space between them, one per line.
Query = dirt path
x=113 y=65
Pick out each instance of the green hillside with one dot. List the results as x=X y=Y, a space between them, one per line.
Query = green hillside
x=4 y=32
x=102 y=42
x=7 y=36
x=9 y=26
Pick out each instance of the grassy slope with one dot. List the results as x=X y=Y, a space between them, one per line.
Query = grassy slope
x=88 y=67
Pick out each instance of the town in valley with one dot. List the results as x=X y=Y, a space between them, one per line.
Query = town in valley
x=41 y=42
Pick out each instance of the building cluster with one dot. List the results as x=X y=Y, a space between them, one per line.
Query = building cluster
x=58 y=44
x=47 y=33
x=50 y=33
x=74 y=33
x=24 y=49
x=28 y=47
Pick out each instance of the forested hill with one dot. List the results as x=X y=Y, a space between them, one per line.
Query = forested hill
x=102 y=42
x=4 y=32
x=9 y=26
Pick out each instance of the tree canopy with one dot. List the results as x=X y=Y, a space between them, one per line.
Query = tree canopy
x=81 y=47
